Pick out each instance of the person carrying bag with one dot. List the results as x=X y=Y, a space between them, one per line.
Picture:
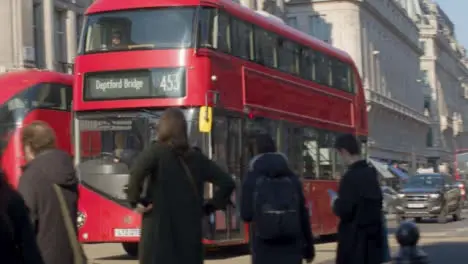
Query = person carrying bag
x=79 y=256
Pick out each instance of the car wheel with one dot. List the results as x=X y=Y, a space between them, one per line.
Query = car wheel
x=442 y=217
x=131 y=248
x=458 y=213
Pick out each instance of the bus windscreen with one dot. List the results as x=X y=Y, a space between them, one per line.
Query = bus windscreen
x=158 y=28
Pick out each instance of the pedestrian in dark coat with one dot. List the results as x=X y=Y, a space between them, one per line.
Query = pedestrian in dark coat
x=172 y=220
x=359 y=207
x=17 y=238
x=268 y=162
x=48 y=166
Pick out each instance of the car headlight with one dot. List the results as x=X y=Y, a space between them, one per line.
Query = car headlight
x=401 y=195
x=434 y=195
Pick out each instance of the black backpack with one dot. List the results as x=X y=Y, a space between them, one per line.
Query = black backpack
x=277 y=208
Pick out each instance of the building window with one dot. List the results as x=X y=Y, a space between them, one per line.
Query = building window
x=292 y=22
x=427 y=103
x=422 y=45
x=60 y=40
x=429 y=138
x=38 y=36
x=79 y=26
x=425 y=77
x=319 y=28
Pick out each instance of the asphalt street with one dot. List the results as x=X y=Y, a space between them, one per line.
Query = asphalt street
x=444 y=243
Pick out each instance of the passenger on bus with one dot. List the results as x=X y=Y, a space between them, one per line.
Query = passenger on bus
x=17 y=238
x=269 y=175
x=46 y=166
x=171 y=226
x=359 y=208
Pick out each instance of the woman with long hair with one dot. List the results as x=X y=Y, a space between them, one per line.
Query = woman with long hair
x=173 y=207
x=17 y=237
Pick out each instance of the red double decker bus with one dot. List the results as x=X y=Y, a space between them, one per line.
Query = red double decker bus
x=232 y=71
x=27 y=96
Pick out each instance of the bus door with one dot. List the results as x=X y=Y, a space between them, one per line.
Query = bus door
x=227 y=152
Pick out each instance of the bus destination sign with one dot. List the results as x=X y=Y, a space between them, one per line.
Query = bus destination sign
x=152 y=83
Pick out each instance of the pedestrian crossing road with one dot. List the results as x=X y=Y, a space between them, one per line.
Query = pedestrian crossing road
x=438 y=240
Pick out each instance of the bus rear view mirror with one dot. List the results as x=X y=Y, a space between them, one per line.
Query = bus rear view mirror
x=205 y=119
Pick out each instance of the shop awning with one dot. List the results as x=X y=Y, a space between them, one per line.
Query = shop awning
x=402 y=175
x=382 y=168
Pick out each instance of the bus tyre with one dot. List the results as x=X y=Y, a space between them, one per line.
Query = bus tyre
x=131 y=248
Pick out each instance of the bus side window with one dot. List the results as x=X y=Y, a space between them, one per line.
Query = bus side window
x=207 y=28
x=326 y=155
x=223 y=29
x=51 y=96
x=293 y=151
x=241 y=35
x=310 y=153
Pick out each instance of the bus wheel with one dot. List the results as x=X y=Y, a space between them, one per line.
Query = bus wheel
x=131 y=248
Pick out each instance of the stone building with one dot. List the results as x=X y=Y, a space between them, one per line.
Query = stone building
x=40 y=33
x=383 y=39
x=445 y=71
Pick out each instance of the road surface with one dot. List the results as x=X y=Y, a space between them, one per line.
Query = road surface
x=438 y=240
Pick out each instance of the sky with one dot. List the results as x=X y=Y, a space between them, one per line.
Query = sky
x=457 y=11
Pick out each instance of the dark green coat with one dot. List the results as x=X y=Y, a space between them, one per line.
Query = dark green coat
x=172 y=231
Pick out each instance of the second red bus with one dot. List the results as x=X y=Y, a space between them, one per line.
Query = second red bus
x=27 y=96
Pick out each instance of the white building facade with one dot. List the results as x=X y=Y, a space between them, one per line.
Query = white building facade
x=40 y=33
x=383 y=40
x=445 y=71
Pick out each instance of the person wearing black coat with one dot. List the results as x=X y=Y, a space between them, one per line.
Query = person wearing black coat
x=48 y=166
x=359 y=208
x=17 y=238
x=269 y=163
x=173 y=207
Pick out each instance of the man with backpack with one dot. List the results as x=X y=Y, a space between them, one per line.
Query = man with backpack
x=274 y=205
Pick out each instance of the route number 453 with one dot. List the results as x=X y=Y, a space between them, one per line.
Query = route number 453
x=170 y=83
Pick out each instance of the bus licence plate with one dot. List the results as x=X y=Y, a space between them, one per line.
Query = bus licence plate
x=416 y=205
x=129 y=232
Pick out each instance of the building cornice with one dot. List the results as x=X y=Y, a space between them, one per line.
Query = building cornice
x=393 y=105
x=393 y=28
x=65 y=5
x=444 y=43
x=378 y=16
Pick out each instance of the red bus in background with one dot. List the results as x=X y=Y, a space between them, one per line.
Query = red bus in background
x=232 y=71
x=461 y=170
x=27 y=96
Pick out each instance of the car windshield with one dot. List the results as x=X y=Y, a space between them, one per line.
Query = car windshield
x=425 y=180
x=161 y=28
